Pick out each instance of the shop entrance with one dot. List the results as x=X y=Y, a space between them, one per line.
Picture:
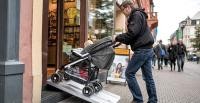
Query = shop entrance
x=63 y=33
x=67 y=24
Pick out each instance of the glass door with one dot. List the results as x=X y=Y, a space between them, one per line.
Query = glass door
x=71 y=28
x=52 y=36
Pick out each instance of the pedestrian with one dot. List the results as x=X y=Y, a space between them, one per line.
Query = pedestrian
x=139 y=37
x=160 y=53
x=172 y=56
x=166 y=57
x=181 y=52
x=154 y=59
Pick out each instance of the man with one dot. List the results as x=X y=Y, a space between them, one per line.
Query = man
x=181 y=52
x=139 y=37
x=160 y=53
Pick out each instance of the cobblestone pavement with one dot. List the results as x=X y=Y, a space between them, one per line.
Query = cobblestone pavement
x=172 y=87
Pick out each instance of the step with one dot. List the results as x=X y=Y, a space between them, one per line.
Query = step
x=73 y=99
x=53 y=95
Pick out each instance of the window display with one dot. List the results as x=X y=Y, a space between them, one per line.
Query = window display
x=101 y=18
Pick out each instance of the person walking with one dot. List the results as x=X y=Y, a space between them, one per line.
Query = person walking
x=166 y=57
x=172 y=56
x=154 y=59
x=181 y=52
x=139 y=37
x=160 y=53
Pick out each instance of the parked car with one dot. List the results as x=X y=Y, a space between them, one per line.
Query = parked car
x=192 y=57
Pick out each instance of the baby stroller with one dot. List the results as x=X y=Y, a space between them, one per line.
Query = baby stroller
x=99 y=55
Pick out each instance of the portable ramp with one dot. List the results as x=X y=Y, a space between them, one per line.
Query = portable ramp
x=75 y=89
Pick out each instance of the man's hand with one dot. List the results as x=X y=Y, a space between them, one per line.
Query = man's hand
x=113 y=39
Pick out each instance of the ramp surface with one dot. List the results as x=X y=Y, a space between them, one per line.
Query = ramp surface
x=75 y=89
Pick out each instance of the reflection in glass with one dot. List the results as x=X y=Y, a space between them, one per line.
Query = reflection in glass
x=101 y=17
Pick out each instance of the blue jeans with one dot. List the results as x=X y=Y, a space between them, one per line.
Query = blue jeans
x=180 y=62
x=141 y=59
x=153 y=61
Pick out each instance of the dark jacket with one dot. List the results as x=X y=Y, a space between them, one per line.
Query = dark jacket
x=138 y=35
x=181 y=49
x=172 y=52
x=157 y=50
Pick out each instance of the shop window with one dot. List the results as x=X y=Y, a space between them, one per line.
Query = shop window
x=71 y=27
x=100 y=19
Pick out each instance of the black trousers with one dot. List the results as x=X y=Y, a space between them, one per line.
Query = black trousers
x=160 y=63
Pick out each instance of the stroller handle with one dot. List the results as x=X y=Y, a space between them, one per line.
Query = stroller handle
x=115 y=44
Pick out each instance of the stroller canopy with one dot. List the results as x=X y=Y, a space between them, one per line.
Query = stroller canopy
x=101 y=52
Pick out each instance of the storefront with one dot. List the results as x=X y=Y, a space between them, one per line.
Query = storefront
x=48 y=30
x=70 y=24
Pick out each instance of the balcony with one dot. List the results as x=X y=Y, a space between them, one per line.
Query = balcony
x=152 y=20
x=152 y=15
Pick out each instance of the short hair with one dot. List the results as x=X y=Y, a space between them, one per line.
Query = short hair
x=126 y=3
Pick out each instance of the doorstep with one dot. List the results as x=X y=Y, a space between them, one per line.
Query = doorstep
x=53 y=95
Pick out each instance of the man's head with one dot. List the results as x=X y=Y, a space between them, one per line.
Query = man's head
x=127 y=7
x=160 y=41
x=180 y=41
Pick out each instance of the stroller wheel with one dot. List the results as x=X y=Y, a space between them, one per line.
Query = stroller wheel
x=61 y=74
x=87 y=91
x=66 y=77
x=97 y=86
x=100 y=85
x=55 y=78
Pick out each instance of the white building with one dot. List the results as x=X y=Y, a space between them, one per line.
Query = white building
x=189 y=30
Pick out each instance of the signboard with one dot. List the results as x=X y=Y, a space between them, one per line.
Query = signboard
x=117 y=71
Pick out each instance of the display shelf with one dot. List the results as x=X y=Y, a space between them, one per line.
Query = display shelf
x=52 y=34
x=72 y=35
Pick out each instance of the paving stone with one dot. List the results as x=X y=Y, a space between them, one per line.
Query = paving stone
x=172 y=87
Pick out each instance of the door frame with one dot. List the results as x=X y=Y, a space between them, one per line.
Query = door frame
x=83 y=33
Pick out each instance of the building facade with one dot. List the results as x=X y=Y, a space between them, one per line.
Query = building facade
x=187 y=31
x=148 y=5
x=47 y=30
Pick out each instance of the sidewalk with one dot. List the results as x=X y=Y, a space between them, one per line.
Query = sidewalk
x=172 y=87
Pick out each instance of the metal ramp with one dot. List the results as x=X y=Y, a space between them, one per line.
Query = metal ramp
x=75 y=89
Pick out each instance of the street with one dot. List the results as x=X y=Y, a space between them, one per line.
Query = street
x=172 y=87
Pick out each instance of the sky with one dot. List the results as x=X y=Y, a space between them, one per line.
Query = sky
x=171 y=13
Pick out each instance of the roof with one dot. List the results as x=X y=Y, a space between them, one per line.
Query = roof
x=196 y=16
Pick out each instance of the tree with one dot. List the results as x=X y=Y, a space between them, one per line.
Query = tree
x=196 y=40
